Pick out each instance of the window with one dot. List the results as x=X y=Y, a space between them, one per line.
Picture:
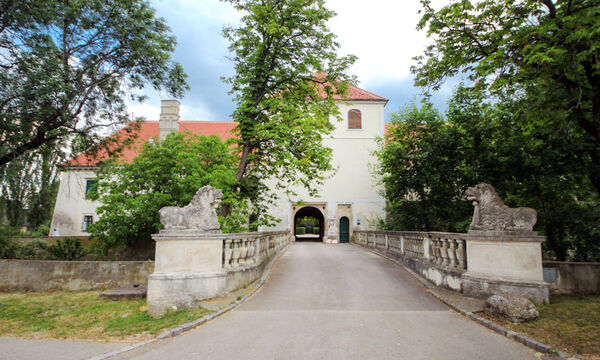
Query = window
x=90 y=185
x=87 y=221
x=354 y=119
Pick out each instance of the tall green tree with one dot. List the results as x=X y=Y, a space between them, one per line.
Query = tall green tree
x=428 y=160
x=288 y=76
x=68 y=67
x=28 y=187
x=544 y=52
x=166 y=173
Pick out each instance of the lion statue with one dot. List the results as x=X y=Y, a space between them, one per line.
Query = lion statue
x=200 y=214
x=492 y=215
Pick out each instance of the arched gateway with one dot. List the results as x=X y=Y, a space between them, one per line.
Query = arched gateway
x=312 y=212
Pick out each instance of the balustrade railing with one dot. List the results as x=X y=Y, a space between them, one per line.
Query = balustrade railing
x=448 y=249
x=444 y=249
x=248 y=249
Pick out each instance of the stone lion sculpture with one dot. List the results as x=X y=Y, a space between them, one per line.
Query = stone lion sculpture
x=200 y=214
x=492 y=214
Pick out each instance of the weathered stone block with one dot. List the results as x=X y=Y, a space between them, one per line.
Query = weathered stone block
x=515 y=309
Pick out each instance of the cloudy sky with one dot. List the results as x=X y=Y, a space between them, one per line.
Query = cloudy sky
x=380 y=32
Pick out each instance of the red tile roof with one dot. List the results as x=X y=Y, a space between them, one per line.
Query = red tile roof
x=148 y=130
x=353 y=93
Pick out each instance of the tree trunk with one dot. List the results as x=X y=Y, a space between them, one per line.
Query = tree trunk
x=239 y=175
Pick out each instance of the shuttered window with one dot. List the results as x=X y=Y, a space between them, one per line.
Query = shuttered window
x=354 y=119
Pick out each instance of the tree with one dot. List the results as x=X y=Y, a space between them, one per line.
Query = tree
x=67 y=68
x=420 y=167
x=166 y=173
x=287 y=80
x=543 y=52
x=428 y=160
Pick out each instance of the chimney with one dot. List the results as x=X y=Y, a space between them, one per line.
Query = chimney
x=169 y=117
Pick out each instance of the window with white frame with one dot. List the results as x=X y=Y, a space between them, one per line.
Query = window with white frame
x=87 y=221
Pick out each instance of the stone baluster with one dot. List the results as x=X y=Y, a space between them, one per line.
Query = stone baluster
x=402 y=245
x=452 y=252
x=257 y=249
x=432 y=249
x=227 y=251
x=244 y=251
x=235 y=254
x=251 y=248
x=460 y=254
x=444 y=252
x=438 y=252
x=425 y=246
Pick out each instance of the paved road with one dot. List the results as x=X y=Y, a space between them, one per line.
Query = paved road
x=338 y=302
x=21 y=349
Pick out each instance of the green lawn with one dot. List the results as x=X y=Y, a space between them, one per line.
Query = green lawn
x=84 y=316
x=568 y=323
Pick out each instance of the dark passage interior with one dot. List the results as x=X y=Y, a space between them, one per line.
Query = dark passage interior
x=309 y=224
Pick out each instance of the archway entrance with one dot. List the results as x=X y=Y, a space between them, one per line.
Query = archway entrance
x=309 y=224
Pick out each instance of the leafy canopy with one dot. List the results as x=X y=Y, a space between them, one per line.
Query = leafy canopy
x=545 y=50
x=68 y=67
x=287 y=77
x=166 y=173
x=428 y=160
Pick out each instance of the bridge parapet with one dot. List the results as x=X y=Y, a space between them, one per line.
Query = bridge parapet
x=192 y=266
x=477 y=263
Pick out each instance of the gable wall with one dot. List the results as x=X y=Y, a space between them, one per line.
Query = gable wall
x=71 y=204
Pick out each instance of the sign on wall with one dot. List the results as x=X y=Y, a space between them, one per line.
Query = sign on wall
x=331 y=225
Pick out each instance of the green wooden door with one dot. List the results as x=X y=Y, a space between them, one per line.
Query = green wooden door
x=344 y=230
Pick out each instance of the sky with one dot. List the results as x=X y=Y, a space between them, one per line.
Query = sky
x=382 y=33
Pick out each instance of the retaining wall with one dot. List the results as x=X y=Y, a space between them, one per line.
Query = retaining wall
x=42 y=275
x=572 y=278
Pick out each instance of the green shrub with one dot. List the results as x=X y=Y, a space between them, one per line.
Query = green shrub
x=8 y=246
x=33 y=250
x=316 y=230
x=67 y=249
x=300 y=230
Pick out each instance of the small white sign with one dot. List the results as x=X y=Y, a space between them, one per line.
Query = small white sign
x=331 y=223
x=332 y=217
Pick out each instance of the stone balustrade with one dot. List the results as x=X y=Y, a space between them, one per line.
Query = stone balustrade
x=477 y=263
x=448 y=249
x=249 y=249
x=192 y=266
x=444 y=249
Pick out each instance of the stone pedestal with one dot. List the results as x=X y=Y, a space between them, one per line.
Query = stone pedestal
x=188 y=268
x=505 y=261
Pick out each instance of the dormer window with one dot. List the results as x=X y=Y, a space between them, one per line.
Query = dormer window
x=354 y=119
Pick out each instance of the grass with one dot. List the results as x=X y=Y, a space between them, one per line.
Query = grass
x=568 y=323
x=83 y=316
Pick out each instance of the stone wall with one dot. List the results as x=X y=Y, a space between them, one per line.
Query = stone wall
x=572 y=278
x=38 y=275
x=476 y=263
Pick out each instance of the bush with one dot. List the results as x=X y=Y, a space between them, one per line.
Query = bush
x=8 y=246
x=316 y=230
x=300 y=230
x=33 y=250
x=67 y=249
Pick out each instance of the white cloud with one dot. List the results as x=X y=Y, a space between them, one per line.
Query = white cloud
x=195 y=112
x=382 y=33
x=148 y=110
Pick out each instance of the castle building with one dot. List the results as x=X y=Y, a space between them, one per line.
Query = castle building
x=349 y=199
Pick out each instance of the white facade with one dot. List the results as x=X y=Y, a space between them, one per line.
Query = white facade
x=350 y=192
x=72 y=207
